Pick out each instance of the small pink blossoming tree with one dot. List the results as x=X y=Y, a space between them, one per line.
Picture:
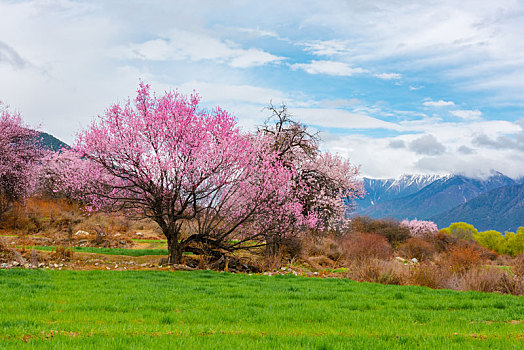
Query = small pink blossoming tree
x=19 y=155
x=420 y=228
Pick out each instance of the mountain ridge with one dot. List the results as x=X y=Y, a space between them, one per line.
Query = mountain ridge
x=500 y=209
x=437 y=197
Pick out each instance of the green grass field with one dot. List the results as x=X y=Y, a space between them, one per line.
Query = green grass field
x=159 y=241
x=211 y=310
x=108 y=251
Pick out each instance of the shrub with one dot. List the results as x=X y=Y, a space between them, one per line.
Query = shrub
x=6 y=253
x=365 y=246
x=392 y=230
x=482 y=279
x=512 y=284
x=517 y=267
x=417 y=248
x=460 y=230
x=63 y=253
x=291 y=247
x=379 y=271
x=322 y=246
x=461 y=258
x=491 y=239
x=443 y=242
x=419 y=228
x=428 y=275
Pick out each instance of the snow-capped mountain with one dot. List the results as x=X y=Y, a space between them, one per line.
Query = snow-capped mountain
x=423 y=198
x=380 y=190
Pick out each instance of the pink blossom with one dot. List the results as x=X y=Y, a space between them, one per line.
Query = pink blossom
x=419 y=228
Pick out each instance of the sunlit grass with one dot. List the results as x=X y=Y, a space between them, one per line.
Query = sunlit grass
x=149 y=240
x=108 y=251
x=210 y=310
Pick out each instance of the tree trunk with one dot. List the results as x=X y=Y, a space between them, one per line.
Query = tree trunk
x=273 y=246
x=175 y=249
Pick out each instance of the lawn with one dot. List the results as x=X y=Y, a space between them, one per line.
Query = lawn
x=210 y=310
x=108 y=251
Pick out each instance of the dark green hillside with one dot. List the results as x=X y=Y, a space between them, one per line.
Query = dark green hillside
x=50 y=142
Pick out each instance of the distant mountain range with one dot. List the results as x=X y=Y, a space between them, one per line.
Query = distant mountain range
x=501 y=209
x=446 y=199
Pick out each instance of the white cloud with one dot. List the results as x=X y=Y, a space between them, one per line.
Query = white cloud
x=216 y=92
x=427 y=145
x=154 y=50
x=192 y=46
x=388 y=76
x=458 y=43
x=9 y=56
x=252 y=57
x=385 y=157
x=327 y=47
x=258 y=32
x=439 y=103
x=329 y=68
x=339 y=118
x=467 y=114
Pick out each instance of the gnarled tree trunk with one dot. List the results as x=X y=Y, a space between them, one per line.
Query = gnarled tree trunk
x=175 y=249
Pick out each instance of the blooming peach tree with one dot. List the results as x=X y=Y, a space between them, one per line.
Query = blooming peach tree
x=190 y=170
x=420 y=228
x=19 y=155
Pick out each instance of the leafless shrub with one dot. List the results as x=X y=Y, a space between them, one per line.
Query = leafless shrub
x=512 y=284
x=63 y=253
x=365 y=246
x=101 y=234
x=417 y=248
x=392 y=230
x=443 y=242
x=460 y=258
x=291 y=247
x=378 y=271
x=34 y=258
x=428 y=275
x=327 y=246
x=482 y=279
x=517 y=266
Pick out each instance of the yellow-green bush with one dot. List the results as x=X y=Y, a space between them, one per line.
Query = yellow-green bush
x=509 y=243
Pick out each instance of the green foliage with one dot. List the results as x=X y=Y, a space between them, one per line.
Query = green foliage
x=461 y=230
x=509 y=243
x=491 y=239
x=514 y=244
x=210 y=310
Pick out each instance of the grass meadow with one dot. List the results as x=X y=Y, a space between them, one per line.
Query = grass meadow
x=210 y=310
x=108 y=251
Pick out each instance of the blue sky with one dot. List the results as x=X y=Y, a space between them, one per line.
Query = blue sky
x=396 y=86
